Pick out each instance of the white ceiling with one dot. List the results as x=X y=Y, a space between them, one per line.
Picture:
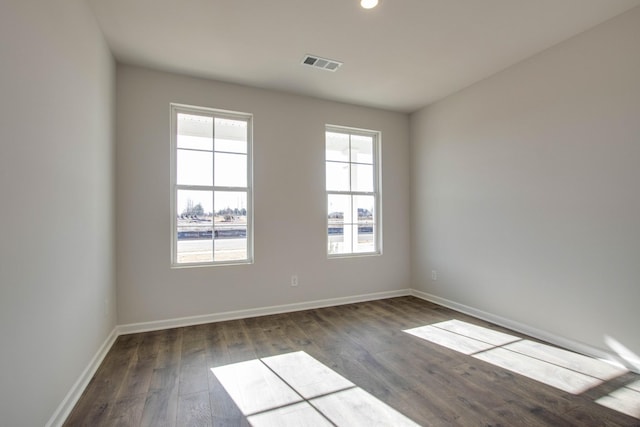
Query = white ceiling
x=402 y=55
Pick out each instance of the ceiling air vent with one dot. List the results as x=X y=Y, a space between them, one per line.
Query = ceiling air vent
x=322 y=63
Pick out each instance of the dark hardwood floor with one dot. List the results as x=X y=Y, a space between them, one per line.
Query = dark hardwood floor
x=164 y=378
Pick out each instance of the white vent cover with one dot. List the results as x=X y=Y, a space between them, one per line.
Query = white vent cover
x=322 y=63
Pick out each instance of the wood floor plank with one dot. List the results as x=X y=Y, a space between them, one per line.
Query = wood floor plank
x=362 y=366
x=238 y=343
x=272 y=328
x=149 y=345
x=194 y=410
x=260 y=343
x=216 y=350
x=165 y=378
x=137 y=379
x=195 y=332
x=508 y=387
x=169 y=349
x=88 y=414
x=193 y=351
x=193 y=378
x=443 y=396
x=97 y=400
x=126 y=412
x=160 y=408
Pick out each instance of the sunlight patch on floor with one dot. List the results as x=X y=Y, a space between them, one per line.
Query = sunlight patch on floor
x=294 y=389
x=625 y=400
x=356 y=407
x=567 y=359
x=451 y=340
x=477 y=332
x=254 y=387
x=556 y=376
x=306 y=375
x=562 y=369
x=297 y=415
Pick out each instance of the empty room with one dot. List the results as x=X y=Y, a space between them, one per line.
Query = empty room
x=333 y=213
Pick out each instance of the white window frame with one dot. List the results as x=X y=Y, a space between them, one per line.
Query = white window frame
x=377 y=190
x=214 y=113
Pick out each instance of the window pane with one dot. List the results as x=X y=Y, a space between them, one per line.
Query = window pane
x=339 y=209
x=337 y=146
x=194 y=226
x=231 y=135
x=339 y=239
x=230 y=170
x=337 y=176
x=361 y=177
x=195 y=132
x=339 y=220
x=364 y=208
x=194 y=249
x=362 y=149
x=230 y=226
x=194 y=203
x=365 y=238
x=335 y=239
x=194 y=167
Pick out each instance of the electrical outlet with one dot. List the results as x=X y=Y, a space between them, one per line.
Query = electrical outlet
x=294 y=280
x=434 y=275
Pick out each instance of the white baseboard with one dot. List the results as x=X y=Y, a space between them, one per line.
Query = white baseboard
x=254 y=312
x=549 y=337
x=60 y=415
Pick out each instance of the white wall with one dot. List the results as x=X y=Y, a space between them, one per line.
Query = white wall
x=56 y=192
x=289 y=202
x=526 y=190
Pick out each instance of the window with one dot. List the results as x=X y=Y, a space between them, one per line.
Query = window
x=211 y=195
x=353 y=191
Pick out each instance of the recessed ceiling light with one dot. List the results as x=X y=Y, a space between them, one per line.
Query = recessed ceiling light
x=368 y=4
